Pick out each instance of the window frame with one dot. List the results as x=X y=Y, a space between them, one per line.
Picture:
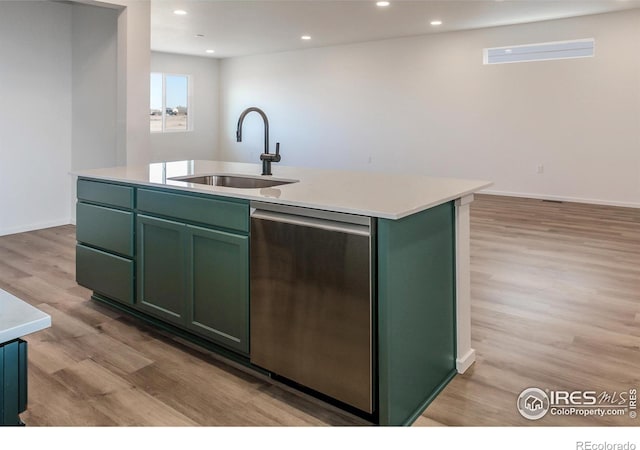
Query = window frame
x=163 y=110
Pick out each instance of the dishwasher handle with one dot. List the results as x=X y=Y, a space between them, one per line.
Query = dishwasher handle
x=312 y=222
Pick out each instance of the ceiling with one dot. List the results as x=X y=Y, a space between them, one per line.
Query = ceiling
x=242 y=27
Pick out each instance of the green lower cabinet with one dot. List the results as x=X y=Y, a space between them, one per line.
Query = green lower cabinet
x=416 y=312
x=218 y=286
x=196 y=278
x=105 y=273
x=108 y=229
x=13 y=381
x=104 y=254
x=160 y=268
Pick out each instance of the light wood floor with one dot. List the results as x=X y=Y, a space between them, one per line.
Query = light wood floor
x=556 y=304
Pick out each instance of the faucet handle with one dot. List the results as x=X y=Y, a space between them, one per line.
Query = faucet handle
x=276 y=158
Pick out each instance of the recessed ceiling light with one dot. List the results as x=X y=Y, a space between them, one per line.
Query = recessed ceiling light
x=210 y=51
x=180 y=12
x=436 y=22
x=383 y=3
x=305 y=37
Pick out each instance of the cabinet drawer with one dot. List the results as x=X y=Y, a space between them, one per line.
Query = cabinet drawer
x=108 y=194
x=106 y=228
x=104 y=273
x=218 y=213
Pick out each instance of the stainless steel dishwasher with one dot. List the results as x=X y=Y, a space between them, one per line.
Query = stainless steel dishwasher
x=311 y=299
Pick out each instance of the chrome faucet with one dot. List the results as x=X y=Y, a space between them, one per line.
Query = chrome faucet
x=266 y=157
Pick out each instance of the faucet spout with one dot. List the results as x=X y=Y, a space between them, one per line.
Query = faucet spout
x=266 y=157
x=266 y=126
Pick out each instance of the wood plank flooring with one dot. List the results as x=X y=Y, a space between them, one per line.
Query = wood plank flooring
x=555 y=304
x=98 y=367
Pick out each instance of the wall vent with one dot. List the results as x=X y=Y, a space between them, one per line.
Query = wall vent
x=579 y=48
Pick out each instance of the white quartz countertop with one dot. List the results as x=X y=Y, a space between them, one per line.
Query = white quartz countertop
x=18 y=318
x=375 y=194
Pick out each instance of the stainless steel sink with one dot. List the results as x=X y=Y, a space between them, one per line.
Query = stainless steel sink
x=234 y=181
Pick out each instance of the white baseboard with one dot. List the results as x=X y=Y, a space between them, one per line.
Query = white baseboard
x=465 y=361
x=561 y=198
x=34 y=226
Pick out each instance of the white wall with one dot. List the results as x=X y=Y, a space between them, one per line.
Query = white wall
x=134 y=43
x=35 y=116
x=428 y=105
x=201 y=142
x=94 y=94
x=74 y=86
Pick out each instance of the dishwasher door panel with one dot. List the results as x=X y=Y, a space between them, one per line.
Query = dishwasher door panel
x=311 y=308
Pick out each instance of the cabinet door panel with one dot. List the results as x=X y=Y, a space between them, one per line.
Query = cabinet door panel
x=161 y=268
x=218 y=286
x=13 y=382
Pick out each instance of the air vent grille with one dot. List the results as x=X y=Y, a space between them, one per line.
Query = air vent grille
x=579 y=48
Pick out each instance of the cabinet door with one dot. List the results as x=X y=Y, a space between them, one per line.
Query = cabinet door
x=13 y=381
x=218 y=286
x=161 y=268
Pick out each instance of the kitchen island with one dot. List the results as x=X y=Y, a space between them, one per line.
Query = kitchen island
x=166 y=244
x=17 y=319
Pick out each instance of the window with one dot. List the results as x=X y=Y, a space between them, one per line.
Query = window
x=169 y=103
x=580 y=48
x=159 y=172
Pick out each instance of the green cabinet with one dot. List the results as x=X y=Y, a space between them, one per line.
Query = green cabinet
x=105 y=228
x=104 y=231
x=218 y=286
x=160 y=272
x=196 y=278
x=416 y=312
x=13 y=381
x=105 y=273
x=205 y=210
x=110 y=194
x=182 y=258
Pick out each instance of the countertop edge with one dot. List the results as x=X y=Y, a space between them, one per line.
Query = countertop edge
x=242 y=194
x=444 y=200
x=19 y=318
x=25 y=329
